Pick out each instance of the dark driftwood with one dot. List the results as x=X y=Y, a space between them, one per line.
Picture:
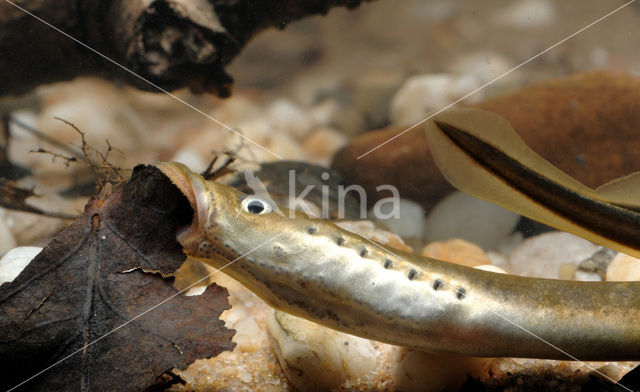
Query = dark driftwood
x=171 y=43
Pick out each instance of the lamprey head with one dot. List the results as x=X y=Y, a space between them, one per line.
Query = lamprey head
x=232 y=230
x=220 y=213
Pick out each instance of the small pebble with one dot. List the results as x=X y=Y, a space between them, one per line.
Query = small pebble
x=323 y=112
x=322 y=143
x=316 y=358
x=287 y=117
x=599 y=57
x=246 y=330
x=584 y=276
x=83 y=103
x=499 y=260
x=598 y=262
x=191 y=158
x=369 y=230
x=543 y=255
x=7 y=240
x=612 y=371
x=422 y=95
x=490 y=268
x=425 y=372
x=403 y=217
x=457 y=251
x=526 y=14
x=624 y=268
x=460 y=215
x=485 y=65
x=567 y=271
x=195 y=291
x=372 y=95
x=15 y=260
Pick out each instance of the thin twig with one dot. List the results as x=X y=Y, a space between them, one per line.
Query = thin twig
x=103 y=171
x=45 y=137
x=54 y=155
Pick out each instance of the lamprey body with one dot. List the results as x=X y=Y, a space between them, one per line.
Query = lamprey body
x=316 y=270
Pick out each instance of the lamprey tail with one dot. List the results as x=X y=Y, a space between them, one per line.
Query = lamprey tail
x=480 y=153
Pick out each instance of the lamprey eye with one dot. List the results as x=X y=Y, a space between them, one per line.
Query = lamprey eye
x=256 y=205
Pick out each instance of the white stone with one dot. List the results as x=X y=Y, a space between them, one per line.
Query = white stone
x=287 y=117
x=585 y=276
x=426 y=372
x=460 y=215
x=195 y=291
x=624 y=268
x=7 y=239
x=423 y=95
x=322 y=143
x=372 y=93
x=490 y=268
x=405 y=218
x=567 y=271
x=191 y=158
x=279 y=143
x=484 y=65
x=499 y=260
x=246 y=331
x=237 y=108
x=316 y=358
x=15 y=260
x=599 y=57
x=526 y=14
x=323 y=113
x=83 y=104
x=543 y=255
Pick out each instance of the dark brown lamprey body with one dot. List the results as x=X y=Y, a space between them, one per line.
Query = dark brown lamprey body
x=313 y=269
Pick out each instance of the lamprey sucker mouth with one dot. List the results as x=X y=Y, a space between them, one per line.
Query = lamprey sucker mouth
x=193 y=187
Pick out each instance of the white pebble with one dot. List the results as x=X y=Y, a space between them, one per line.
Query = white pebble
x=623 y=268
x=422 y=95
x=15 y=260
x=426 y=372
x=498 y=259
x=195 y=291
x=490 y=268
x=323 y=113
x=316 y=358
x=287 y=117
x=7 y=240
x=278 y=143
x=526 y=14
x=599 y=57
x=460 y=215
x=83 y=103
x=246 y=331
x=404 y=217
x=543 y=255
x=372 y=93
x=322 y=143
x=191 y=158
x=484 y=65
x=585 y=276
x=567 y=271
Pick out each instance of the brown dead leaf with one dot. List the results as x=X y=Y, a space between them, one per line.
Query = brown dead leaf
x=89 y=281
